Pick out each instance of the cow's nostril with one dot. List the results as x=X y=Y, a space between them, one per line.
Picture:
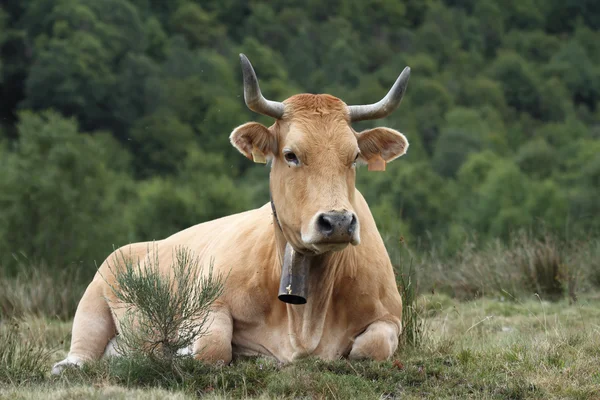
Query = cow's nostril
x=352 y=226
x=325 y=224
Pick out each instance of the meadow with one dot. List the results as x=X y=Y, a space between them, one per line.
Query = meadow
x=463 y=338
x=115 y=118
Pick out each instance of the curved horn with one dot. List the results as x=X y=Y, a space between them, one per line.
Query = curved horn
x=385 y=106
x=254 y=98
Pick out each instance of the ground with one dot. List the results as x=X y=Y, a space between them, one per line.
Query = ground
x=485 y=348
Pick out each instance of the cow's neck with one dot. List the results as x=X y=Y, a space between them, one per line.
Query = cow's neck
x=280 y=240
x=307 y=321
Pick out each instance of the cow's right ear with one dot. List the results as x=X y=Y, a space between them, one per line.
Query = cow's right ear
x=254 y=141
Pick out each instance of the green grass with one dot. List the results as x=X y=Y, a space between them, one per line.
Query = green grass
x=483 y=349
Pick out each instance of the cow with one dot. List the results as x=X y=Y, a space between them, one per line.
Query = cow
x=307 y=273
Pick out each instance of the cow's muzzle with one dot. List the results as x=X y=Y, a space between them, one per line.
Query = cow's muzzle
x=336 y=225
x=332 y=230
x=293 y=286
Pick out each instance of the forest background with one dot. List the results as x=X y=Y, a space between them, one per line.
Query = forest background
x=115 y=116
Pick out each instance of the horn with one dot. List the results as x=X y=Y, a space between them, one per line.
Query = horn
x=293 y=286
x=252 y=95
x=385 y=106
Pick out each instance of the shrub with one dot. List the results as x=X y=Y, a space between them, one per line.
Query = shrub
x=164 y=313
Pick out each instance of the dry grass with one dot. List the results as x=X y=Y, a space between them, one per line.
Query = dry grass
x=24 y=355
x=483 y=349
x=548 y=267
x=90 y=392
x=41 y=291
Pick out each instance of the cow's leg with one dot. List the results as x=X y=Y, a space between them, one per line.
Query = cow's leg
x=378 y=342
x=93 y=328
x=215 y=345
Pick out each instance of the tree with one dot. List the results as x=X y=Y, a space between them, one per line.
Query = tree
x=200 y=28
x=581 y=77
x=491 y=23
x=15 y=59
x=562 y=16
x=535 y=46
x=463 y=132
x=3 y=18
x=429 y=102
x=584 y=198
x=414 y=191
x=499 y=209
x=161 y=142
x=519 y=82
x=537 y=159
x=59 y=198
x=501 y=110
x=522 y=14
x=74 y=76
x=203 y=190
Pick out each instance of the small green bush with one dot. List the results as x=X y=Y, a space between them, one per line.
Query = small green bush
x=164 y=313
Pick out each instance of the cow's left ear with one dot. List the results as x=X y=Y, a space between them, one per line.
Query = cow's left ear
x=381 y=144
x=254 y=141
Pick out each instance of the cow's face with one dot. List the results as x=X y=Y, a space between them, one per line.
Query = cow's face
x=314 y=154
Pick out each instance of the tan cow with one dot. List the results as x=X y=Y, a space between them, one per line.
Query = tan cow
x=337 y=291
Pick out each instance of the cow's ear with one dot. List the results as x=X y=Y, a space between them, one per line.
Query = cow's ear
x=254 y=141
x=381 y=145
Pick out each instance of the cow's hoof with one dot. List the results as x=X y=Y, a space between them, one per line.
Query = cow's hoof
x=68 y=362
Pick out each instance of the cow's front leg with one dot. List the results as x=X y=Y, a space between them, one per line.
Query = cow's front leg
x=215 y=345
x=378 y=342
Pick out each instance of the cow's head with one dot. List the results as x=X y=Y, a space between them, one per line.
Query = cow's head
x=314 y=151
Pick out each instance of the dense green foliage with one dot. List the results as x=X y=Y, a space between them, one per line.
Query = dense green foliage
x=115 y=114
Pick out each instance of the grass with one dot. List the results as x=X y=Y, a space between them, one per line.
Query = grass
x=412 y=321
x=22 y=357
x=39 y=290
x=551 y=268
x=516 y=321
x=484 y=349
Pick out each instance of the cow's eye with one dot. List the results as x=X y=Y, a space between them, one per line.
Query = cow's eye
x=355 y=160
x=291 y=158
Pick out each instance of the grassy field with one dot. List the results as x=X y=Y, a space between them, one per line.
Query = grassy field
x=485 y=348
x=478 y=330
